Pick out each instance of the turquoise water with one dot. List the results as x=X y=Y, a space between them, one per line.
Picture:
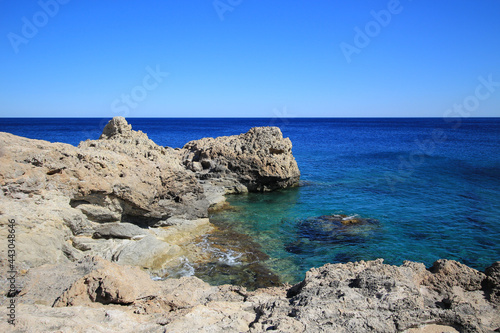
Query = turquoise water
x=430 y=190
x=443 y=204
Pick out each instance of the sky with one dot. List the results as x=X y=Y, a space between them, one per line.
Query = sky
x=242 y=58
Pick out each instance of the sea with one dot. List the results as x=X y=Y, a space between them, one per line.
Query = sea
x=422 y=188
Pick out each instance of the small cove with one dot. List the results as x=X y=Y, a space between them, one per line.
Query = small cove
x=429 y=199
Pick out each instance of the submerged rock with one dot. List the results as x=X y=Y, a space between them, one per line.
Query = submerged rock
x=234 y=258
x=327 y=230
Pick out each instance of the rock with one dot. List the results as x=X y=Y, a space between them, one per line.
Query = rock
x=40 y=230
x=214 y=195
x=332 y=230
x=116 y=127
x=119 y=230
x=374 y=297
x=39 y=318
x=108 y=284
x=213 y=317
x=259 y=160
x=100 y=214
x=448 y=273
x=187 y=304
x=105 y=248
x=354 y=297
x=148 y=252
x=492 y=282
x=44 y=284
x=432 y=329
x=58 y=191
x=78 y=224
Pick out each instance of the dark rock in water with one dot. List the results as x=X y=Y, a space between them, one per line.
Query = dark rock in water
x=330 y=230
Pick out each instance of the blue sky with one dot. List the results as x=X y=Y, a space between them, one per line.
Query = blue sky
x=242 y=58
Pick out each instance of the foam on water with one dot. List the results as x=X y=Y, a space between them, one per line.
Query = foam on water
x=184 y=268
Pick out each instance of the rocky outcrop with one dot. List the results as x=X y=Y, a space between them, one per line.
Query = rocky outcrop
x=96 y=295
x=256 y=161
x=103 y=197
x=374 y=297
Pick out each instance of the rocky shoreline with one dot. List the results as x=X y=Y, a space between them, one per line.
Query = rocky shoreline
x=90 y=219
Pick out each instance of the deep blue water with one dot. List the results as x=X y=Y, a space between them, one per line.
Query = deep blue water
x=430 y=187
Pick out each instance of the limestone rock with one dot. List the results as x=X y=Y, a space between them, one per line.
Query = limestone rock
x=492 y=282
x=108 y=284
x=448 y=273
x=78 y=224
x=374 y=297
x=57 y=191
x=116 y=126
x=148 y=252
x=354 y=297
x=119 y=230
x=259 y=160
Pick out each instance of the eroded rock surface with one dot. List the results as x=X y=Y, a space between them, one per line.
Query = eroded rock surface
x=96 y=295
x=259 y=160
x=374 y=297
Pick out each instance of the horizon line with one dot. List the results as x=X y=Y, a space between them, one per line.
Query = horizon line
x=353 y=117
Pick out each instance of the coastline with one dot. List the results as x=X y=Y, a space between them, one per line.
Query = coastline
x=130 y=201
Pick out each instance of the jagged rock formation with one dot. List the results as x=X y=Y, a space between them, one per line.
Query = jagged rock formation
x=96 y=295
x=259 y=160
x=374 y=297
x=63 y=196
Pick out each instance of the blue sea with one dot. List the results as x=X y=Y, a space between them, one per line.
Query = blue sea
x=427 y=188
